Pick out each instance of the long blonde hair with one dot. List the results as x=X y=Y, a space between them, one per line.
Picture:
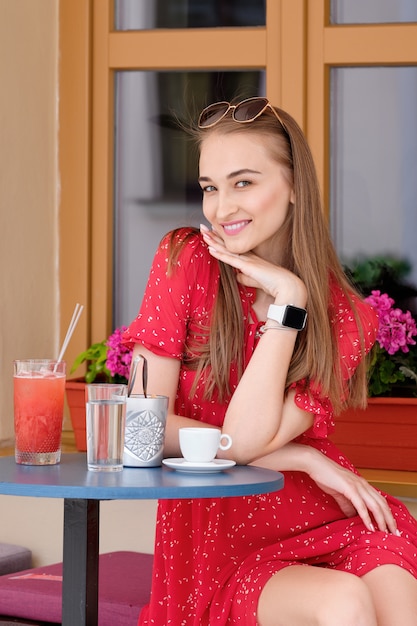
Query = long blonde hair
x=309 y=253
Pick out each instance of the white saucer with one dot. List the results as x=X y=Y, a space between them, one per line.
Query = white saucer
x=181 y=465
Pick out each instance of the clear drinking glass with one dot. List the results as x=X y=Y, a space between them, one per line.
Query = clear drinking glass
x=106 y=415
x=39 y=387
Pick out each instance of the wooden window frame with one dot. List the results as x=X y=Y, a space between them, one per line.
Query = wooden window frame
x=297 y=48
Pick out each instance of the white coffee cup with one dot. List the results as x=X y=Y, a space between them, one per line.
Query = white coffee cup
x=200 y=445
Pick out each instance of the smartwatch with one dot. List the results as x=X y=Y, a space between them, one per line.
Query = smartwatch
x=288 y=315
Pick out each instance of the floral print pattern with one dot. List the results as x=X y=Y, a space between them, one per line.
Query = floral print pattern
x=213 y=556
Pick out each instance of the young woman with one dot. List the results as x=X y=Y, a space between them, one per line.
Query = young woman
x=251 y=326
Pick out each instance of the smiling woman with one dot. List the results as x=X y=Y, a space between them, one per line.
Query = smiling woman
x=224 y=328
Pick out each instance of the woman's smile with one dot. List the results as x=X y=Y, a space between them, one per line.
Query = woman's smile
x=234 y=228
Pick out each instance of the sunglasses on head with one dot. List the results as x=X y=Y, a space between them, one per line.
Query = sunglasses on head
x=245 y=112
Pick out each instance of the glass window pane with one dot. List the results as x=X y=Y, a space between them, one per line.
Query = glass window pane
x=372 y=11
x=156 y=165
x=373 y=162
x=148 y=14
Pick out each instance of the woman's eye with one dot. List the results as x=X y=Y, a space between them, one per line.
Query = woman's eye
x=243 y=183
x=208 y=188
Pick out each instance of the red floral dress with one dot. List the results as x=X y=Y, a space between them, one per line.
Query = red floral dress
x=213 y=556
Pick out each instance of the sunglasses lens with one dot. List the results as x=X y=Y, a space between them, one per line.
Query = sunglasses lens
x=249 y=109
x=212 y=114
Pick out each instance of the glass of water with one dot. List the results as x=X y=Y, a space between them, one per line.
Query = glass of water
x=106 y=415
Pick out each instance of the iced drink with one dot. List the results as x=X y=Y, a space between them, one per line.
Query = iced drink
x=39 y=387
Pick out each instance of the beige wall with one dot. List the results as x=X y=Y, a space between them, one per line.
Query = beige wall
x=37 y=524
x=29 y=303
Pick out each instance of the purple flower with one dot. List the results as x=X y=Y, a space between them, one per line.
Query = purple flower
x=396 y=328
x=119 y=356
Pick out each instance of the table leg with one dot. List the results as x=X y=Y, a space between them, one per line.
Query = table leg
x=80 y=562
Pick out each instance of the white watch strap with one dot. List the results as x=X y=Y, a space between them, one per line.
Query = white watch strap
x=276 y=312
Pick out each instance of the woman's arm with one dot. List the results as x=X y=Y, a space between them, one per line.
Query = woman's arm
x=163 y=377
x=260 y=417
x=353 y=494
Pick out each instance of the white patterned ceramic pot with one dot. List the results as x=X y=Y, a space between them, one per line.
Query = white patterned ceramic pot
x=145 y=430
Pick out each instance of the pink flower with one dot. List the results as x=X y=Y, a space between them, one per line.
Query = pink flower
x=119 y=356
x=396 y=328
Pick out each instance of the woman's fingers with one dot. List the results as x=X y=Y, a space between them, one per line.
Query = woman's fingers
x=347 y=487
x=377 y=505
x=252 y=271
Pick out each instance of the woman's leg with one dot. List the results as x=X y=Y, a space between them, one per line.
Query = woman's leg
x=394 y=593
x=313 y=596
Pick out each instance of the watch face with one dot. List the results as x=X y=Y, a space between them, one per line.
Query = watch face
x=294 y=317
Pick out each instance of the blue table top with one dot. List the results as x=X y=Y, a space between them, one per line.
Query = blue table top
x=71 y=479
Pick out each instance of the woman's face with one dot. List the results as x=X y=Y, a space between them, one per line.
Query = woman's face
x=246 y=193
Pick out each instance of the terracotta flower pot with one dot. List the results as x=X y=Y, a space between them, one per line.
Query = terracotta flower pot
x=383 y=436
x=75 y=390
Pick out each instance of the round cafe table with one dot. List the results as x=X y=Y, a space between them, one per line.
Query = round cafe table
x=82 y=492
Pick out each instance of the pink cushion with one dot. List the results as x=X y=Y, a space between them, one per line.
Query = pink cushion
x=124 y=588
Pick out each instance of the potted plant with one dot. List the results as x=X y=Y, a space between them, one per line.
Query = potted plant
x=384 y=435
x=393 y=365
x=107 y=361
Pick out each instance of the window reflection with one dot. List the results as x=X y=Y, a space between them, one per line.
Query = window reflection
x=373 y=157
x=148 y=14
x=156 y=165
x=372 y=11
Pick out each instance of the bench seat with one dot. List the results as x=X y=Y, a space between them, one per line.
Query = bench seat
x=36 y=594
x=399 y=483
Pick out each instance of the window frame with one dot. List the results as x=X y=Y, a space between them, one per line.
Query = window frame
x=297 y=47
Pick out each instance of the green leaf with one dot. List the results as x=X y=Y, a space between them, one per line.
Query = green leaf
x=95 y=357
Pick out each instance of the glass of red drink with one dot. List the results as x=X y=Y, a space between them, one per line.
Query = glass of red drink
x=39 y=386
